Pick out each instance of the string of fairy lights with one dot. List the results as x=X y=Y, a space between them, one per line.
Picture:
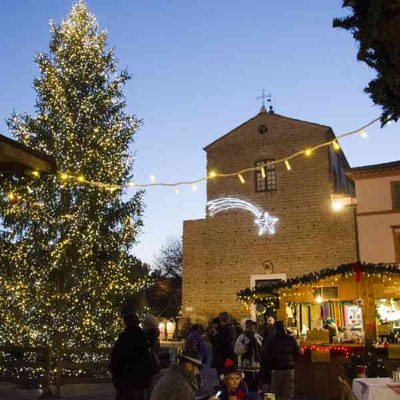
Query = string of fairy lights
x=306 y=152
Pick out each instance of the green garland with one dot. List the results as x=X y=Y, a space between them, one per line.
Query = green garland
x=263 y=294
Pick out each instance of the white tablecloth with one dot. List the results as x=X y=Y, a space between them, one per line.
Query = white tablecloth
x=374 y=389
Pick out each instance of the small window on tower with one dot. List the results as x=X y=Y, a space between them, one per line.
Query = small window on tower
x=396 y=195
x=262 y=129
x=397 y=244
x=265 y=176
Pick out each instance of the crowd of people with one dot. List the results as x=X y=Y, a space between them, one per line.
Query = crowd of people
x=264 y=355
x=247 y=361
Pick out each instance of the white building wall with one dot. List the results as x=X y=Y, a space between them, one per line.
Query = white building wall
x=377 y=221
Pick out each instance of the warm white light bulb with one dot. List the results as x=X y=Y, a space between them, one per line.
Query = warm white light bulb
x=363 y=134
x=336 y=145
x=308 y=152
x=337 y=205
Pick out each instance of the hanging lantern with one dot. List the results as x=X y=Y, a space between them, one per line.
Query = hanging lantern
x=171 y=326
x=161 y=327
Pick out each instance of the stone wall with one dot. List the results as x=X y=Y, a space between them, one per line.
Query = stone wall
x=222 y=252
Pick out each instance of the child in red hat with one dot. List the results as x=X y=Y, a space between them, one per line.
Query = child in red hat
x=232 y=387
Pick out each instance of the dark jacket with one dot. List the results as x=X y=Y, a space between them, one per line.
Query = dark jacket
x=130 y=364
x=175 y=384
x=224 y=343
x=195 y=341
x=279 y=351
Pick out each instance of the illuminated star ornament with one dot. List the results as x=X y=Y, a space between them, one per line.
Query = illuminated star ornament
x=263 y=219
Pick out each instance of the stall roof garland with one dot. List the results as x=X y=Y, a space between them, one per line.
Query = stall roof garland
x=260 y=295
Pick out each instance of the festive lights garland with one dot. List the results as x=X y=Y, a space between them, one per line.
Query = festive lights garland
x=307 y=152
x=268 y=294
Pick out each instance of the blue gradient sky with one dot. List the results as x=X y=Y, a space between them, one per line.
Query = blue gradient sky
x=197 y=68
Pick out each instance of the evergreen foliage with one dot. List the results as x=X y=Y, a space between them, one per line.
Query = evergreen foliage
x=65 y=249
x=375 y=25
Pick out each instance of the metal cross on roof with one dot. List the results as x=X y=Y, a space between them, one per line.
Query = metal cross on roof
x=263 y=97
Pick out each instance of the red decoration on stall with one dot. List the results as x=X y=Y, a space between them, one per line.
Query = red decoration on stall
x=334 y=349
x=358 y=269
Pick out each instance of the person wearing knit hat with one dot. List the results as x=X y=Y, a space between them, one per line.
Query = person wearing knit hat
x=152 y=332
x=232 y=386
x=150 y=322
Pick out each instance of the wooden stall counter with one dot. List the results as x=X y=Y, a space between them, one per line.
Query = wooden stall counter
x=317 y=371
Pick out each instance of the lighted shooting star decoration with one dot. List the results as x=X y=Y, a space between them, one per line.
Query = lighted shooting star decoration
x=263 y=219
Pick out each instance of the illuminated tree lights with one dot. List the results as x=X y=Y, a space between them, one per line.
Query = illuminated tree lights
x=65 y=249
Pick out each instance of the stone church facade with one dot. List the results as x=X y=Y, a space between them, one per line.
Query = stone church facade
x=224 y=254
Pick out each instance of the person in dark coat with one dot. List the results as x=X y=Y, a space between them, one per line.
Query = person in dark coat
x=212 y=336
x=224 y=342
x=130 y=364
x=278 y=355
x=195 y=341
x=150 y=328
x=179 y=381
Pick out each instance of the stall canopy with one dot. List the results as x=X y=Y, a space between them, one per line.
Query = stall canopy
x=262 y=294
x=334 y=291
x=16 y=158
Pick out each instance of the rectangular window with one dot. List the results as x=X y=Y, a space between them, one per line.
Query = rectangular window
x=396 y=195
x=397 y=244
x=326 y=293
x=267 y=183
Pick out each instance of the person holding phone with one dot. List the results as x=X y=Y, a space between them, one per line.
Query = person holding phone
x=232 y=387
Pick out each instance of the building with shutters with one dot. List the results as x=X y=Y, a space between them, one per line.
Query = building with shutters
x=378 y=211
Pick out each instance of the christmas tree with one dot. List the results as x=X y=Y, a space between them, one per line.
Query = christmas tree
x=65 y=248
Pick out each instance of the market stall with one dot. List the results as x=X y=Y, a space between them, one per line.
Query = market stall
x=340 y=316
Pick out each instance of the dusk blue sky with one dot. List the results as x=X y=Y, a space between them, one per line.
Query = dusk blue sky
x=198 y=66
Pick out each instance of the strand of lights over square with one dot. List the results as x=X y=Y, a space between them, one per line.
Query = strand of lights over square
x=307 y=152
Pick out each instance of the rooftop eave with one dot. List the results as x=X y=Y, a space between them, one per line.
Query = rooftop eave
x=17 y=158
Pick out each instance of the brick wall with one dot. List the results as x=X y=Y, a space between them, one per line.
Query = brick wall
x=222 y=252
